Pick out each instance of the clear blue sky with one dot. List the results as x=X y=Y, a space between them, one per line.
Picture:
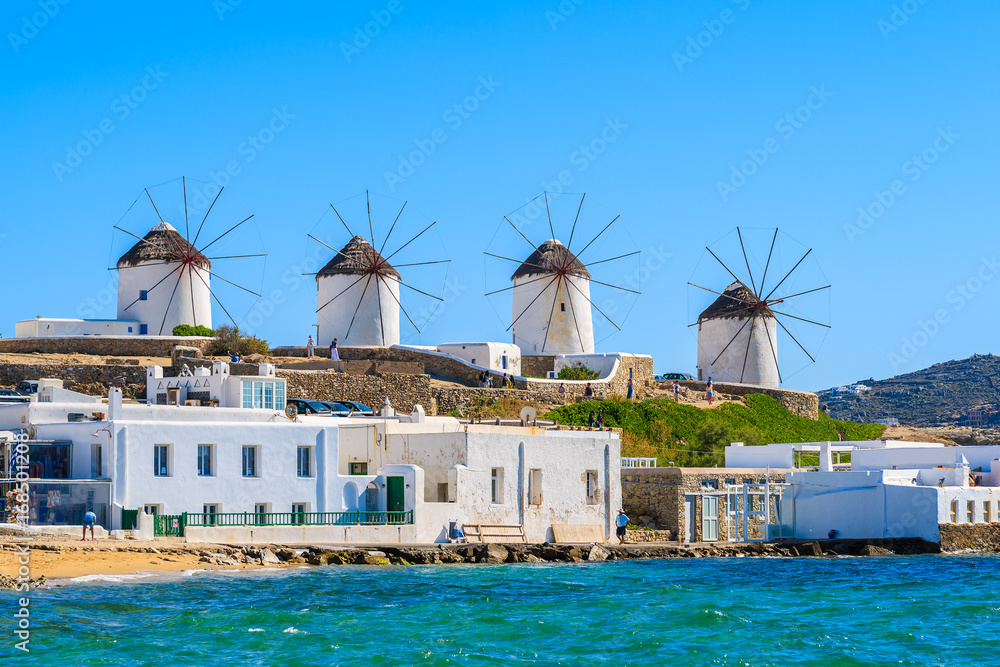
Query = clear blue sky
x=914 y=285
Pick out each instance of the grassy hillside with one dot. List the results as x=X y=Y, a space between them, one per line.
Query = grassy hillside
x=690 y=436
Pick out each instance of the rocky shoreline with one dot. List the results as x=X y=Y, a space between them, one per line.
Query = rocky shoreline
x=276 y=555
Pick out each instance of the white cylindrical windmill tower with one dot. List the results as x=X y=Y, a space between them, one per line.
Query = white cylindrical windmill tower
x=551 y=310
x=164 y=281
x=357 y=298
x=738 y=340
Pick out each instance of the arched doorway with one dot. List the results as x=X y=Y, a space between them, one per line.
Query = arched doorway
x=371 y=497
x=350 y=496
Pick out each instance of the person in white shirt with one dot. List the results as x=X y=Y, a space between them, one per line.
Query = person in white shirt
x=621 y=521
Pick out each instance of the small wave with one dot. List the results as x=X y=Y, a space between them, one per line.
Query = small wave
x=110 y=578
x=295 y=631
x=255 y=630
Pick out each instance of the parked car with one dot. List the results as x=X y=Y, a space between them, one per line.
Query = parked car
x=307 y=407
x=338 y=409
x=11 y=396
x=27 y=387
x=359 y=408
x=673 y=376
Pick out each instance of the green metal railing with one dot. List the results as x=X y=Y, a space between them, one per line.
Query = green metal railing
x=174 y=525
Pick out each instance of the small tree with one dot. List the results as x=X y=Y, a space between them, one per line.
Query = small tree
x=229 y=339
x=188 y=330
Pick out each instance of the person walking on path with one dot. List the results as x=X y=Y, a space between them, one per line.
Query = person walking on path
x=590 y=421
x=88 y=522
x=506 y=382
x=334 y=352
x=310 y=348
x=630 y=392
x=600 y=419
x=709 y=391
x=677 y=392
x=621 y=521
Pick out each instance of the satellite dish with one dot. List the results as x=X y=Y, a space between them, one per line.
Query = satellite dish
x=291 y=411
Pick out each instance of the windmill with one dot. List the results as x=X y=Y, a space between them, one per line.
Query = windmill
x=551 y=293
x=164 y=278
x=738 y=334
x=358 y=297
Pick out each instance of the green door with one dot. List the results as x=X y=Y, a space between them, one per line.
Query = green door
x=394 y=494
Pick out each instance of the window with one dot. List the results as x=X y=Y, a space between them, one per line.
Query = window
x=970 y=511
x=503 y=362
x=298 y=513
x=211 y=510
x=496 y=485
x=152 y=510
x=303 y=461
x=143 y=294
x=535 y=487
x=709 y=518
x=96 y=461
x=442 y=492
x=130 y=329
x=730 y=481
x=205 y=460
x=562 y=307
x=143 y=329
x=954 y=511
x=161 y=460
x=986 y=512
x=260 y=394
x=250 y=456
x=709 y=485
x=591 y=487
x=359 y=468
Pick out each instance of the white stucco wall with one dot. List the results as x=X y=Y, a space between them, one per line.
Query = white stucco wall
x=761 y=368
x=487 y=355
x=923 y=457
x=189 y=304
x=334 y=318
x=44 y=327
x=571 y=330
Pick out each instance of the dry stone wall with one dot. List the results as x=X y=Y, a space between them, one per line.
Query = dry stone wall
x=801 y=403
x=537 y=366
x=970 y=536
x=641 y=368
x=403 y=391
x=136 y=346
x=90 y=379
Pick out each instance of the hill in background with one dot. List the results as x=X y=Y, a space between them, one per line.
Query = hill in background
x=953 y=393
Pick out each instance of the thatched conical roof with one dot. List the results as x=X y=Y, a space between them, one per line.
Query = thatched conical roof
x=162 y=243
x=551 y=257
x=736 y=302
x=357 y=258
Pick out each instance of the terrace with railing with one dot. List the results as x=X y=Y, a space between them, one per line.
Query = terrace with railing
x=173 y=525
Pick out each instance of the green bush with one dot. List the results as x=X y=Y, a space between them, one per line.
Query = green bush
x=578 y=372
x=188 y=330
x=689 y=436
x=229 y=339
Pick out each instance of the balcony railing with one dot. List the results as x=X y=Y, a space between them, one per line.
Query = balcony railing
x=173 y=525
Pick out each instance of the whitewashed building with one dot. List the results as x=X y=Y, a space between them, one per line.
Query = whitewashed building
x=252 y=474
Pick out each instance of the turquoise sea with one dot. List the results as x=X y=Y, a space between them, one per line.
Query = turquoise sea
x=846 y=611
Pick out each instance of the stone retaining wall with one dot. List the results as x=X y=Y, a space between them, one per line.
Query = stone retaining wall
x=641 y=372
x=403 y=391
x=970 y=536
x=90 y=379
x=537 y=366
x=648 y=536
x=455 y=398
x=801 y=403
x=135 y=346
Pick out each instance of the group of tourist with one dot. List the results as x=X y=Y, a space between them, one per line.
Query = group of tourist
x=311 y=349
x=486 y=381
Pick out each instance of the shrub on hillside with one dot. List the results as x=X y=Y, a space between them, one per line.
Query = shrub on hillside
x=188 y=330
x=229 y=339
x=577 y=372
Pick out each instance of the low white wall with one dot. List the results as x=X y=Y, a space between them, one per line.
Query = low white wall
x=49 y=327
x=923 y=457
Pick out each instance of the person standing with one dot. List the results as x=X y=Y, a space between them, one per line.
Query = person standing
x=334 y=353
x=600 y=419
x=677 y=392
x=630 y=391
x=89 y=519
x=621 y=521
x=589 y=391
x=590 y=420
x=310 y=347
x=506 y=382
x=709 y=391
x=562 y=390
